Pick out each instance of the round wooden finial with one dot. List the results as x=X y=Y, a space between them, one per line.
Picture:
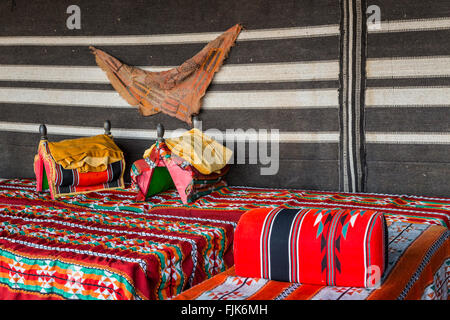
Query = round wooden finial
x=160 y=132
x=107 y=127
x=43 y=131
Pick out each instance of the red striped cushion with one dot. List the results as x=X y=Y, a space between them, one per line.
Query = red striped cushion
x=330 y=247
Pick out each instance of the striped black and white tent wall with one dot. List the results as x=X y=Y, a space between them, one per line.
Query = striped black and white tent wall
x=357 y=109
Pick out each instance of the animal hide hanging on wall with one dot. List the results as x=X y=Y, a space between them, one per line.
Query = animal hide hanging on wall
x=176 y=92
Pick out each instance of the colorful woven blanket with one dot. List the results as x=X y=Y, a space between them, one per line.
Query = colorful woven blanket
x=70 y=173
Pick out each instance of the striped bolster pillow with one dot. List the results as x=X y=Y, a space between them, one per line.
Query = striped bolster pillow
x=329 y=247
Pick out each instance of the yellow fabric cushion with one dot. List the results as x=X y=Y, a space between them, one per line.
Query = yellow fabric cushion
x=90 y=154
x=203 y=152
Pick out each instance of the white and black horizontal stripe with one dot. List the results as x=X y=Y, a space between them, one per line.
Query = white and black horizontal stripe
x=412 y=10
x=229 y=73
x=267 y=119
x=115 y=17
x=404 y=120
x=426 y=42
x=313 y=150
x=432 y=82
x=408 y=67
x=324 y=30
x=407 y=96
x=403 y=153
x=168 y=39
x=230 y=86
x=256 y=99
x=413 y=25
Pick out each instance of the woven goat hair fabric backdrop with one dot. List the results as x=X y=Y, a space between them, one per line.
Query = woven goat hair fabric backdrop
x=359 y=90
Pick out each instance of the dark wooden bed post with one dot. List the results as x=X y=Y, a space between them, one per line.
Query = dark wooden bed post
x=43 y=131
x=160 y=132
x=107 y=127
